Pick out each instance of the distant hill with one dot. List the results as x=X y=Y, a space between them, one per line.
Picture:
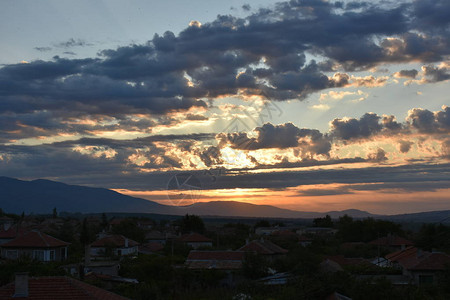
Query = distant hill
x=441 y=216
x=41 y=196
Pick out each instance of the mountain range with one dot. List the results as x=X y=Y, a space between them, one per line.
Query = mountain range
x=41 y=196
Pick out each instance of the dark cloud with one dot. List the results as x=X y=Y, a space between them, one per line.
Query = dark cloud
x=426 y=121
x=377 y=156
x=211 y=156
x=411 y=74
x=436 y=74
x=246 y=7
x=282 y=136
x=405 y=146
x=43 y=49
x=176 y=72
x=347 y=129
x=445 y=152
x=385 y=187
x=69 y=53
x=194 y=117
x=73 y=43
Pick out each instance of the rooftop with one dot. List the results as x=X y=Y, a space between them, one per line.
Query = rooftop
x=35 y=239
x=116 y=240
x=58 y=287
x=263 y=247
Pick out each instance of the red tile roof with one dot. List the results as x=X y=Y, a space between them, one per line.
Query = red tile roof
x=56 y=288
x=11 y=233
x=151 y=247
x=392 y=241
x=194 y=238
x=116 y=240
x=414 y=259
x=35 y=239
x=433 y=261
x=263 y=247
x=222 y=260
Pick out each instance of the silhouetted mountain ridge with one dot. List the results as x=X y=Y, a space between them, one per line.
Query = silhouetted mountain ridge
x=41 y=196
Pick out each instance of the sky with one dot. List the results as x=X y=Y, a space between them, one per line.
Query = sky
x=308 y=105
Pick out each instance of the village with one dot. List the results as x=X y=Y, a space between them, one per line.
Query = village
x=188 y=257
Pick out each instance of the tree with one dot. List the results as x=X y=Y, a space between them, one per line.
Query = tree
x=254 y=266
x=129 y=229
x=262 y=223
x=105 y=222
x=192 y=223
x=85 y=235
x=323 y=222
x=54 y=213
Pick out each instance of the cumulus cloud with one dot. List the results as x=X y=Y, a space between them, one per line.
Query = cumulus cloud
x=261 y=53
x=405 y=146
x=426 y=121
x=378 y=156
x=410 y=74
x=282 y=136
x=351 y=128
x=436 y=74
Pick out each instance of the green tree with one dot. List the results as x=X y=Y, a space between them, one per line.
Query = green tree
x=192 y=223
x=254 y=266
x=323 y=222
x=130 y=229
x=86 y=236
x=54 y=213
x=262 y=223
x=105 y=222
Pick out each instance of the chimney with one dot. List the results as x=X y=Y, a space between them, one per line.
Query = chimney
x=126 y=242
x=21 y=285
x=247 y=241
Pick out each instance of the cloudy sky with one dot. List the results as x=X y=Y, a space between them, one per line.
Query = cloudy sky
x=309 y=105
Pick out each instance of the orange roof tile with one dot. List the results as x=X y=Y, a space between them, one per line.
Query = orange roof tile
x=59 y=287
x=114 y=240
x=35 y=239
x=391 y=241
x=263 y=247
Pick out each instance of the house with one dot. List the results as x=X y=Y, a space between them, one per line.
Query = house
x=420 y=266
x=151 y=248
x=265 y=248
x=37 y=245
x=304 y=241
x=392 y=242
x=160 y=237
x=6 y=222
x=55 y=287
x=266 y=230
x=196 y=240
x=350 y=261
x=220 y=260
x=317 y=231
x=113 y=245
x=11 y=233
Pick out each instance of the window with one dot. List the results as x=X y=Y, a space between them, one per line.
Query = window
x=38 y=255
x=425 y=279
x=12 y=254
x=52 y=255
